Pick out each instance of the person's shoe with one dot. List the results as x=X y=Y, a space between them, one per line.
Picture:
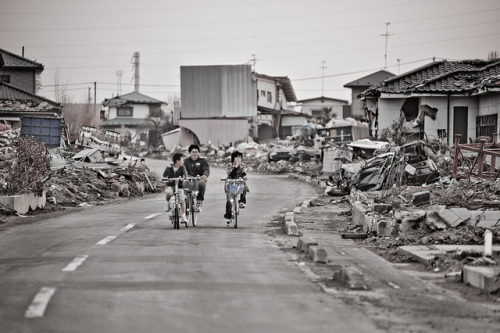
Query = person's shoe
x=184 y=219
x=198 y=206
x=242 y=205
x=228 y=222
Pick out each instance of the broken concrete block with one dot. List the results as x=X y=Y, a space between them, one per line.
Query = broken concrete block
x=306 y=203
x=305 y=242
x=382 y=208
x=484 y=278
x=434 y=219
x=360 y=216
x=351 y=276
x=291 y=228
x=421 y=198
x=296 y=210
x=384 y=227
x=317 y=254
x=484 y=219
x=289 y=216
x=450 y=218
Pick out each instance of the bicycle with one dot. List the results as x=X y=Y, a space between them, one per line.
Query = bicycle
x=234 y=187
x=176 y=211
x=190 y=186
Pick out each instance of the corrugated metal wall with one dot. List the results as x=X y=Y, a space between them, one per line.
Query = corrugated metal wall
x=218 y=91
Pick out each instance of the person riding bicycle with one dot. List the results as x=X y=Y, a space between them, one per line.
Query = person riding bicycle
x=197 y=166
x=236 y=170
x=175 y=170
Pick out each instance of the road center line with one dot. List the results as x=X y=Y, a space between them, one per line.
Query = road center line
x=105 y=240
x=395 y=286
x=151 y=216
x=40 y=302
x=72 y=266
x=128 y=227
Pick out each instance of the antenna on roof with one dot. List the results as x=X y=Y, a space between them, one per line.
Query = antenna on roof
x=253 y=61
x=386 y=35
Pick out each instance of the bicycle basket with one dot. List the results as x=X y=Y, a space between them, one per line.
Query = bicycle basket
x=191 y=185
x=234 y=186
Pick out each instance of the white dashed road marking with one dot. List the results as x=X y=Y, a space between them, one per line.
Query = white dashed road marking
x=105 y=240
x=395 y=286
x=72 y=266
x=151 y=216
x=128 y=227
x=40 y=302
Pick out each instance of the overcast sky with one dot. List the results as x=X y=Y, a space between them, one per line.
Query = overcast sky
x=319 y=44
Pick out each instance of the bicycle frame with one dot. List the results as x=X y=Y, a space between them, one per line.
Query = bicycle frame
x=235 y=208
x=191 y=203
x=176 y=209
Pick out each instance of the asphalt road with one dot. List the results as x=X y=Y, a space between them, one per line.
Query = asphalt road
x=123 y=268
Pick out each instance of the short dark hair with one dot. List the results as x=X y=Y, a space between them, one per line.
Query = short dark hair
x=193 y=146
x=177 y=157
x=235 y=154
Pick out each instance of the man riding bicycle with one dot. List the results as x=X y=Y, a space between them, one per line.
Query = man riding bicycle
x=197 y=166
x=175 y=170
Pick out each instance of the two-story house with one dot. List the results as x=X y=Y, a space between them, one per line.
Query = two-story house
x=358 y=86
x=275 y=120
x=438 y=100
x=133 y=115
x=19 y=104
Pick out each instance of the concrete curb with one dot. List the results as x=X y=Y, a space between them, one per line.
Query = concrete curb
x=484 y=278
x=351 y=276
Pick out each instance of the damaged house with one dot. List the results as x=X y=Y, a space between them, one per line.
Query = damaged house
x=20 y=107
x=437 y=101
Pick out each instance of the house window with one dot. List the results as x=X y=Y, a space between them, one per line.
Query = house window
x=486 y=125
x=5 y=78
x=125 y=111
x=155 y=111
x=269 y=97
x=263 y=93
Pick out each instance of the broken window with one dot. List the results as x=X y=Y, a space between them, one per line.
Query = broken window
x=410 y=108
x=486 y=125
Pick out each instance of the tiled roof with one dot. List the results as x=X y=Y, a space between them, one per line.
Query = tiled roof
x=442 y=77
x=133 y=97
x=13 y=99
x=12 y=60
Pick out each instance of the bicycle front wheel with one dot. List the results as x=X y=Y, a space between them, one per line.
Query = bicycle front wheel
x=235 y=212
x=194 y=211
x=176 y=217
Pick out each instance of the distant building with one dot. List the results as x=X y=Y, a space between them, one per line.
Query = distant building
x=359 y=85
x=133 y=116
x=322 y=109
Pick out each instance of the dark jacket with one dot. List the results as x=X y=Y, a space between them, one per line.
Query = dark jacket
x=197 y=168
x=169 y=173
x=235 y=173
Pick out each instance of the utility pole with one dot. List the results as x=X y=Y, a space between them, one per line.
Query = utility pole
x=398 y=64
x=119 y=82
x=136 y=71
x=323 y=77
x=386 y=35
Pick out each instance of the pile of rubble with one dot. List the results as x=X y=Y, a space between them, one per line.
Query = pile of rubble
x=73 y=181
